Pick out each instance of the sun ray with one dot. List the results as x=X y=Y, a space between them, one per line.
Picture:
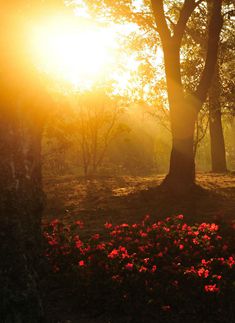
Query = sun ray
x=76 y=53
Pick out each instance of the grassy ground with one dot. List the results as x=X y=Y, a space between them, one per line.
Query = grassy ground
x=128 y=199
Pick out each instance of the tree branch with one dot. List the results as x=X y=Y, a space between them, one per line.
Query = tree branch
x=185 y=13
x=215 y=26
x=158 y=12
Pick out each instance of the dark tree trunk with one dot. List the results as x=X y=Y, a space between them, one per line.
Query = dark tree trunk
x=183 y=114
x=21 y=202
x=218 y=156
x=181 y=175
x=21 y=196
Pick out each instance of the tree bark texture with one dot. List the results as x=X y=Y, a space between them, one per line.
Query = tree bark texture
x=183 y=114
x=21 y=202
x=21 y=196
x=218 y=154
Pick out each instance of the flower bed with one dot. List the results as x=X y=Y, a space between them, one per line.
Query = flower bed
x=167 y=268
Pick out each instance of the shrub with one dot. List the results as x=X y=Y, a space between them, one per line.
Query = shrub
x=167 y=268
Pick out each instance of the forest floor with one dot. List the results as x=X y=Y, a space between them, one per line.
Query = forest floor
x=127 y=199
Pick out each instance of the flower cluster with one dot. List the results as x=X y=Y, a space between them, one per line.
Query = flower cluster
x=160 y=262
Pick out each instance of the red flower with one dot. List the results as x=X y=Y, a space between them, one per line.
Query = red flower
x=108 y=225
x=147 y=217
x=78 y=243
x=79 y=223
x=117 y=278
x=53 y=242
x=96 y=236
x=211 y=288
x=202 y=272
x=113 y=254
x=124 y=225
x=129 y=266
x=143 y=234
x=54 y=222
x=180 y=216
x=154 y=268
x=166 y=308
x=81 y=263
x=214 y=227
x=181 y=246
x=142 y=268
x=100 y=246
x=195 y=241
x=231 y=262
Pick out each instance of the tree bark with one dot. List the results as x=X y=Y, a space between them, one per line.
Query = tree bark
x=21 y=202
x=21 y=196
x=183 y=114
x=218 y=156
x=181 y=175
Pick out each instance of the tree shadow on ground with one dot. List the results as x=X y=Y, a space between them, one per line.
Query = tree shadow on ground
x=129 y=199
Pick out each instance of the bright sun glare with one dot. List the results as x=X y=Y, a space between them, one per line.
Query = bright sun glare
x=72 y=52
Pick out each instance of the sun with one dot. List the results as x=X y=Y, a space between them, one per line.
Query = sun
x=74 y=52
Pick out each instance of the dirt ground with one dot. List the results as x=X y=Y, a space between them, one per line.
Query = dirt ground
x=128 y=199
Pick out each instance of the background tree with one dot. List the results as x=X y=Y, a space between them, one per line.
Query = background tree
x=95 y=124
x=184 y=105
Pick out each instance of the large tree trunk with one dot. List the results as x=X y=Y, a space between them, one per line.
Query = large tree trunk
x=181 y=176
x=21 y=201
x=183 y=114
x=218 y=157
x=21 y=196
